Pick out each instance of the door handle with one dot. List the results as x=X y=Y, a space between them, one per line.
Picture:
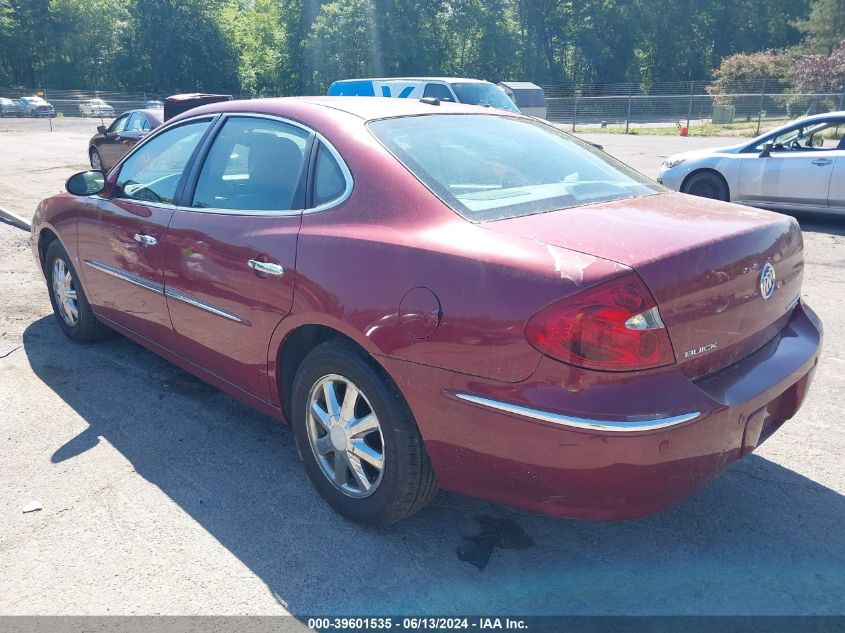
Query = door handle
x=822 y=161
x=266 y=267
x=145 y=240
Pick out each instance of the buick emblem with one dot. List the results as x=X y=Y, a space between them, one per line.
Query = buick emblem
x=767 y=281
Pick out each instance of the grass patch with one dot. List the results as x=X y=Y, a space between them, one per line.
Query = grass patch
x=742 y=129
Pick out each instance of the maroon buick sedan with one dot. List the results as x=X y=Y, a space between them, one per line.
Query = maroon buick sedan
x=443 y=296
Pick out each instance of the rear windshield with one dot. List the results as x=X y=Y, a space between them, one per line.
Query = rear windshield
x=489 y=167
x=484 y=94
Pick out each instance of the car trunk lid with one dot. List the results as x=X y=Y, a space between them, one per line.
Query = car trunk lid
x=701 y=259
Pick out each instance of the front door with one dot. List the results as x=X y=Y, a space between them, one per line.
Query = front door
x=121 y=233
x=836 y=195
x=799 y=168
x=230 y=251
x=787 y=177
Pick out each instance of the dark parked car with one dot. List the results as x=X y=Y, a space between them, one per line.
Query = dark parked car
x=443 y=295
x=36 y=107
x=110 y=144
x=10 y=108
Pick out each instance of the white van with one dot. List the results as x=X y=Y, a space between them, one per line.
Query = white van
x=472 y=91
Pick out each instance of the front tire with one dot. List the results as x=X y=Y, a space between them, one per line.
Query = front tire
x=707 y=184
x=70 y=305
x=357 y=438
x=96 y=160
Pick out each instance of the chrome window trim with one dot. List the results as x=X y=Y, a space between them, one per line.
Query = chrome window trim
x=124 y=276
x=202 y=305
x=344 y=168
x=347 y=175
x=607 y=426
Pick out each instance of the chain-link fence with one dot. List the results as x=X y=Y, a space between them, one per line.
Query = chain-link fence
x=681 y=103
x=685 y=103
x=66 y=103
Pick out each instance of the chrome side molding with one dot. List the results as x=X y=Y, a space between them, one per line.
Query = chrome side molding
x=607 y=426
x=202 y=305
x=167 y=292
x=124 y=276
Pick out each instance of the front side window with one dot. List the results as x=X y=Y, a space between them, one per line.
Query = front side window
x=484 y=94
x=136 y=123
x=438 y=91
x=254 y=165
x=489 y=167
x=119 y=124
x=152 y=173
x=812 y=136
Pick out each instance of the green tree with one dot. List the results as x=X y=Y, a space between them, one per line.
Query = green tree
x=825 y=26
x=343 y=42
x=256 y=32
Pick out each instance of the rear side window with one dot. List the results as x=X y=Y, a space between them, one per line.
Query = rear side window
x=489 y=167
x=152 y=173
x=329 y=181
x=254 y=165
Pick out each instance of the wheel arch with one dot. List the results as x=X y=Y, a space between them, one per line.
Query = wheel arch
x=45 y=237
x=701 y=170
x=295 y=345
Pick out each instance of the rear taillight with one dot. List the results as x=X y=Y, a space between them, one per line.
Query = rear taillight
x=614 y=326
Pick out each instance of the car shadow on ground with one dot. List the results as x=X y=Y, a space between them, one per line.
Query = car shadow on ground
x=760 y=539
x=820 y=223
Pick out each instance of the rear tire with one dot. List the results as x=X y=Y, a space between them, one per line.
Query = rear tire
x=70 y=305
x=404 y=483
x=707 y=184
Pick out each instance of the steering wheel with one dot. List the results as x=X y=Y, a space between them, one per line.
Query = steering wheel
x=796 y=145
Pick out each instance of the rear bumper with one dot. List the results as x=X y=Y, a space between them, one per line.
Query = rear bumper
x=659 y=437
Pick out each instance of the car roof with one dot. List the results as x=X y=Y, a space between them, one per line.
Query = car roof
x=366 y=108
x=446 y=79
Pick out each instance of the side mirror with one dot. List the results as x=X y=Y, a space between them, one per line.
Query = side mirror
x=816 y=141
x=86 y=183
x=102 y=129
x=767 y=150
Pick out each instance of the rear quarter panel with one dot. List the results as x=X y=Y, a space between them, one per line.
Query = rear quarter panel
x=357 y=261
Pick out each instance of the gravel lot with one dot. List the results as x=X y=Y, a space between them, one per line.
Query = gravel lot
x=161 y=495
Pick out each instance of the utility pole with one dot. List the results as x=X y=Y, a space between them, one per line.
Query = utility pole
x=689 y=110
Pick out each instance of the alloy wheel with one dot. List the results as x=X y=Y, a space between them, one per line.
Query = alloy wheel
x=345 y=436
x=64 y=291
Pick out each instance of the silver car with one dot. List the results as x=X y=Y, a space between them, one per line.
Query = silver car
x=799 y=166
x=10 y=108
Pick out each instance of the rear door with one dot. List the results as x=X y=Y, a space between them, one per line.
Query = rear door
x=121 y=233
x=230 y=251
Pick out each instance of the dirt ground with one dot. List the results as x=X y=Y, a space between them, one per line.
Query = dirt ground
x=161 y=495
